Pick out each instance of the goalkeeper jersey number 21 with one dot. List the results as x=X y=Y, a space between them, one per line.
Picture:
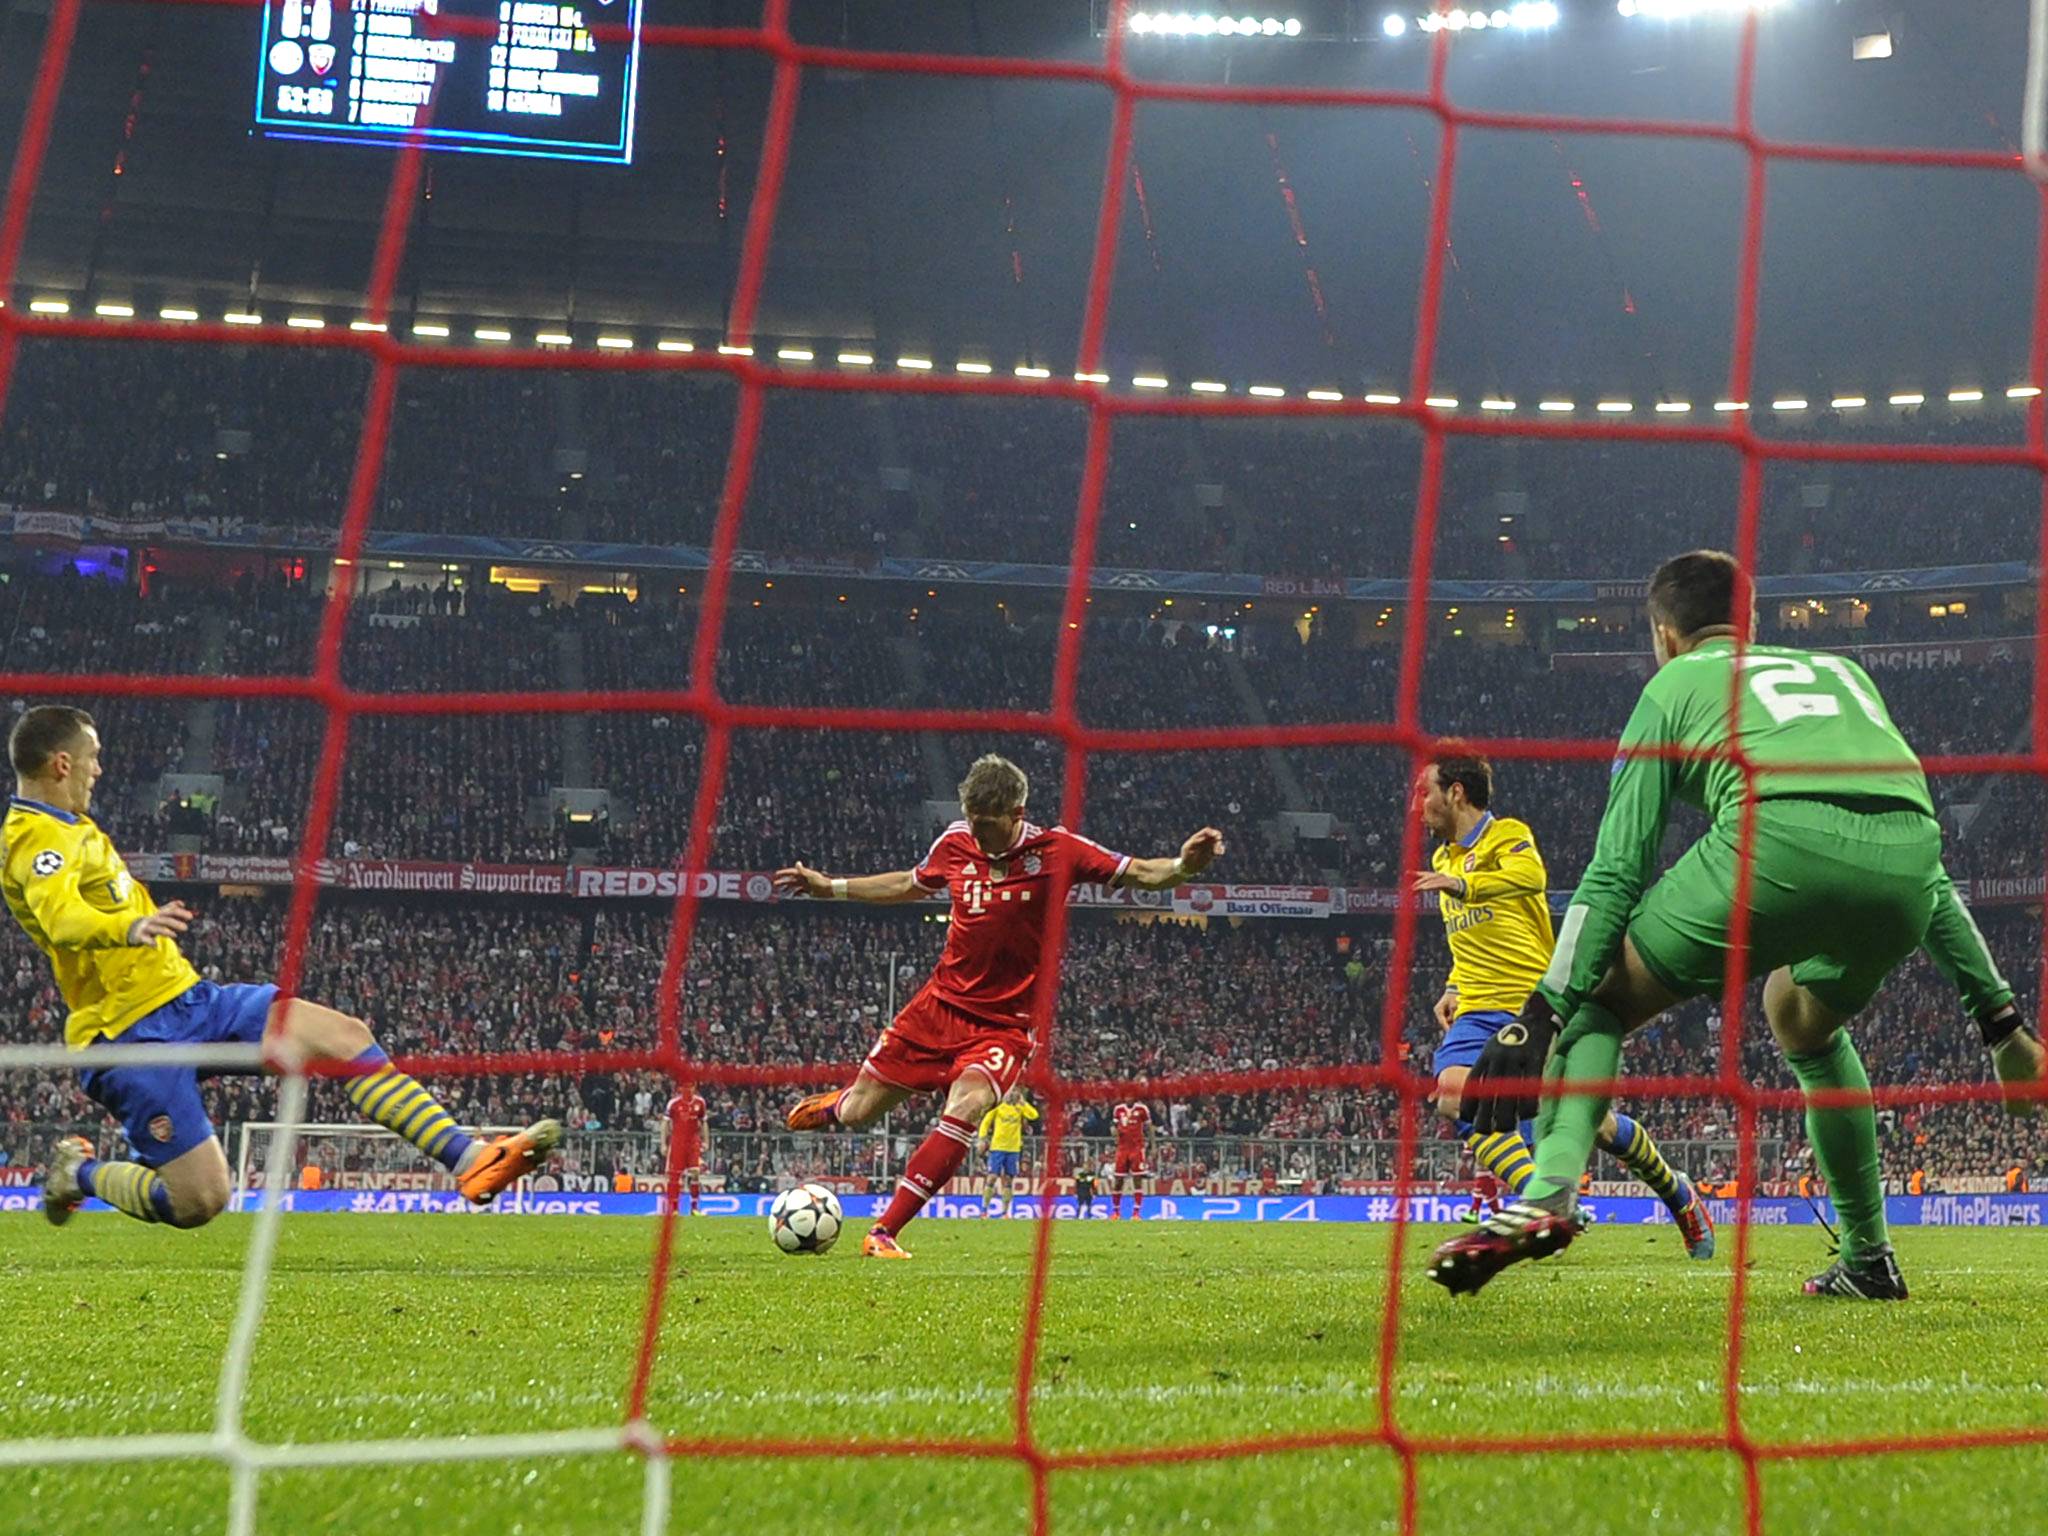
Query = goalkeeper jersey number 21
x=1812 y=725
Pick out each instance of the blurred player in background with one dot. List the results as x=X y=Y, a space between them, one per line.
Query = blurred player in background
x=1846 y=880
x=116 y=958
x=1002 y=1137
x=967 y=1033
x=1490 y=882
x=681 y=1112
x=1084 y=1184
x=1131 y=1122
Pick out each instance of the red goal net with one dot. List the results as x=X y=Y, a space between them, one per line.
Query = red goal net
x=1106 y=409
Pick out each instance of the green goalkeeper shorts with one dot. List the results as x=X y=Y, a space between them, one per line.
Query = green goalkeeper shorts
x=1839 y=895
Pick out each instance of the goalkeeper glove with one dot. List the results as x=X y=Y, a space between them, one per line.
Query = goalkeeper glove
x=2017 y=1056
x=1518 y=1050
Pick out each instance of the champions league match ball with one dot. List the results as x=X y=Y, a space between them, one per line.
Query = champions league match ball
x=805 y=1219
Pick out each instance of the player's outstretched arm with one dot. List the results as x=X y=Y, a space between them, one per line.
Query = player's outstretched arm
x=1196 y=855
x=1957 y=948
x=876 y=890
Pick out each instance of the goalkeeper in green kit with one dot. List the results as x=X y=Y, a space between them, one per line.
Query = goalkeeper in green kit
x=1846 y=882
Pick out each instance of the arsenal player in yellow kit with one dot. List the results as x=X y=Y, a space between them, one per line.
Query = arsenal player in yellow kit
x=117 y=964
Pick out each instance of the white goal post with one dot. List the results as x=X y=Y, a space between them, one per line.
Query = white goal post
x=2034 y=100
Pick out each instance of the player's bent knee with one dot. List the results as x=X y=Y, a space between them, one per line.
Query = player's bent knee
x=1450 y=1092
x=320 y=1033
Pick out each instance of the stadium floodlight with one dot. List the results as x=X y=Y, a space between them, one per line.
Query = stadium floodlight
x=114 y=311
x=1377 y=399
x=856 y=359
x=1847 y=403
x=1091 y=378
x=675 y=346
x=250 y=317
x=915 y=364
x=558 y=339
x=1477 y=21
x=1326 y=396
x=49 y=306
x=1394 y=26
x=1456 y=21
x=1148 y=381
x=420 y=328
x=1965 y=396
x=1907 y=399
x=1442 y=402
x=794 y=354
x=1140 y=22
x=1292 y=26
x=964 y=367
x=2023 y=392
x=492 y=333
x=725 y=349
x=305 y=322
x=1209 y=387
x=1496 y=405
x=1615 y=407
x=1682 y=10
x=1556 y=406
x=1205 y=26
x=1725 y=406
x=374 y=327
x=1673 y=407
x=1268 y=391
x=625 y=344
x=176 y=312
x=1026 y=371
x=1789 y=403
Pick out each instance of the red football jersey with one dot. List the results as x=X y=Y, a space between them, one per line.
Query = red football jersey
x=678 y=1110
x=990 y=965
x=1131 y=1121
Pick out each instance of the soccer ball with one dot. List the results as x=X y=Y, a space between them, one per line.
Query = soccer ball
x=805 y=1219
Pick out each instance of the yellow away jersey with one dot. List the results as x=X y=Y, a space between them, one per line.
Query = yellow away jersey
x=1008 y=1123
x=73 y=896
x=1500 y=934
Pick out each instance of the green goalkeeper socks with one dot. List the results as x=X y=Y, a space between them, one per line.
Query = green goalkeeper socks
x=1844 y=1139
x=1589 y=1051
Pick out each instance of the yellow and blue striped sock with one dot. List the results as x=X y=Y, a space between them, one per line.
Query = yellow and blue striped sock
x=395 y=1101
x=1636 y=1150
x=1505 y=1155
x=128 y=1187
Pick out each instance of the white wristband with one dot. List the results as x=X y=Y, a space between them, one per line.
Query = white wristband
x=839 y=889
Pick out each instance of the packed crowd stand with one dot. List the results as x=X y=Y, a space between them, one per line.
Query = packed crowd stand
x=263 y=434
x=268 y=434
x=1139 y=999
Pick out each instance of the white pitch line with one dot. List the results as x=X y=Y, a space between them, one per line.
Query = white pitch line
x=349 y=1453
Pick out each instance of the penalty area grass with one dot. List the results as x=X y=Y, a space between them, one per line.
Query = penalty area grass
x=1154 y=1335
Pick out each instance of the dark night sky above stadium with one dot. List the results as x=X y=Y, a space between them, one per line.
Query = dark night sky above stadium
x=957 y=215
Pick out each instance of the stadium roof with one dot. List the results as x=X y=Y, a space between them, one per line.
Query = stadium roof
x=953 y=218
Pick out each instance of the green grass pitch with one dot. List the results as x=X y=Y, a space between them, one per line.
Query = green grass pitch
x=1154 y=1334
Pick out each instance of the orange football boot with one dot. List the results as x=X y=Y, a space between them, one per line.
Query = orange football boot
x=507 y=1158
x=814 y=1112
x=880 y=1245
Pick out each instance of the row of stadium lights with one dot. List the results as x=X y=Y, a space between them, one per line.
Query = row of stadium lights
x=433 y=331
x=1525 y=16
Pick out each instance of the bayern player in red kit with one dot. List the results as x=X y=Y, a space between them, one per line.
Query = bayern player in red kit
x=680 y=1111
x=1131 y=1122
x=967 y=1033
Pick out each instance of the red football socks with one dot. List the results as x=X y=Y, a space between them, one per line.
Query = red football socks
x=937 y=1158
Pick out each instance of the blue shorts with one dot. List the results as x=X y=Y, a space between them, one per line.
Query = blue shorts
x=159 y=1107
x=1002 y=1165
x=1466 y=1038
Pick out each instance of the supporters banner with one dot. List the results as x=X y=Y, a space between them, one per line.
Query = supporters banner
x=1313 y=901
x=76 y=527
x=1919 y=656
x=610 y=883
